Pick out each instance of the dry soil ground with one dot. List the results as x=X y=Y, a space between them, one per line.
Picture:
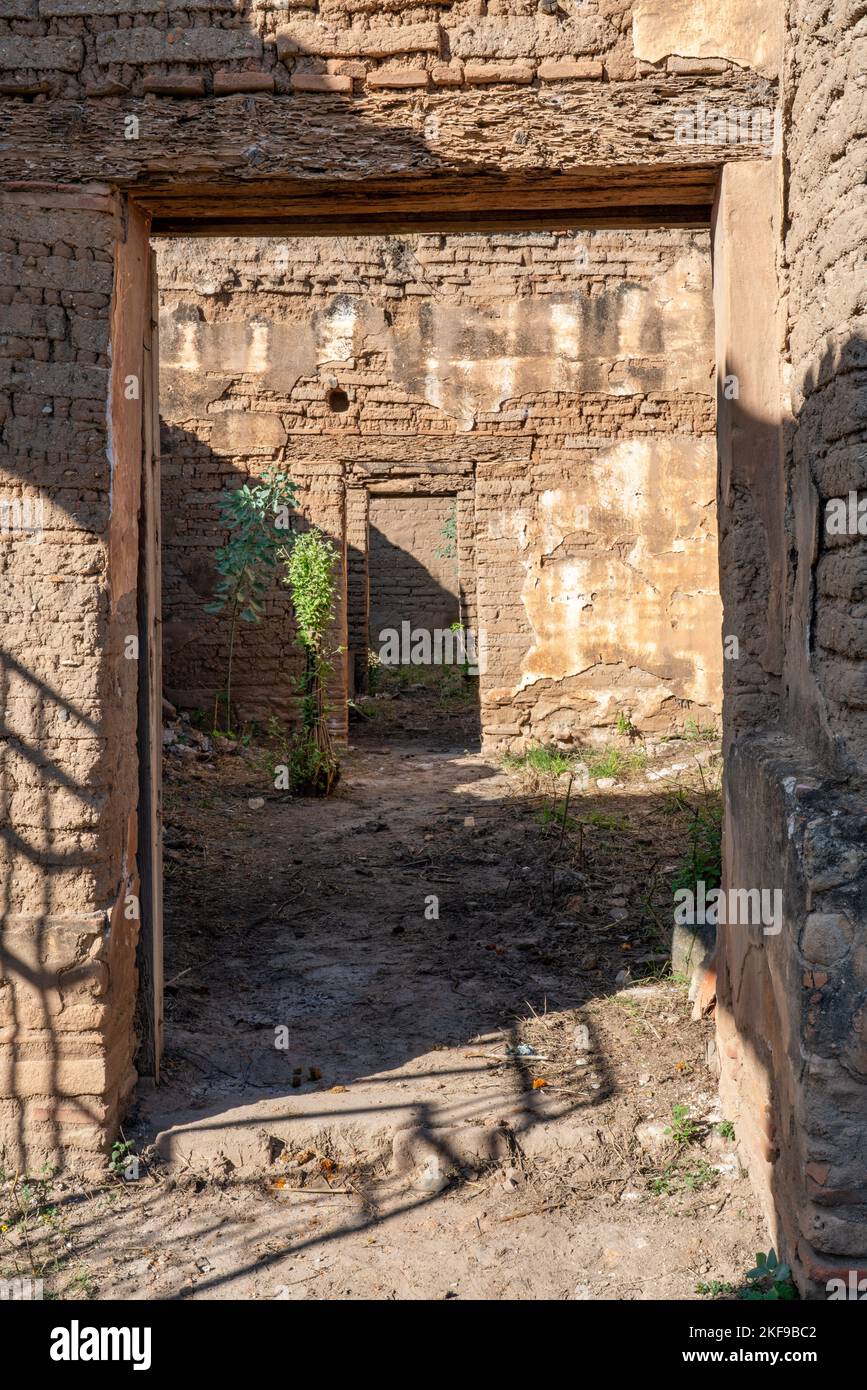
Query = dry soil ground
x=344 y=1113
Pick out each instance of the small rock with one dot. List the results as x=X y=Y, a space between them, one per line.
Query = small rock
x=651 y=1136
x=605 y=784
x=256 y=803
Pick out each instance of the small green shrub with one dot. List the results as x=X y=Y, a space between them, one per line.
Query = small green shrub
x=313 y=767
x=769 y=1282
x=256 y=516
x=682 y=1129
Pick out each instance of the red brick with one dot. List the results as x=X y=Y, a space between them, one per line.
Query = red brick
x=398 y=77
x=175 y=86
x=320 y=82
x=554 y=69
x=225 y=83
x=499 y=72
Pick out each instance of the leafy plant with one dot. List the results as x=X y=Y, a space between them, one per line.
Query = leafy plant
x=682 y=1129
x=254 y=515
x=715 y=1288
x=725 y=1129
x=309 y=573
x=703 y=862
x=121 y=1153
x=769 y=1281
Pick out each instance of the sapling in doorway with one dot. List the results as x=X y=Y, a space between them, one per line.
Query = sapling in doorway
x=256 y=515
x=309 y=563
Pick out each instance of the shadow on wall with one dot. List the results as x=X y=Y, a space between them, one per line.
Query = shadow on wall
x=792 y=1008
x=403 y=589
x=267 y=659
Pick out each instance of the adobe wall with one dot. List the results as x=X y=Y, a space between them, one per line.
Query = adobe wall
x=72 y=319
x=574 y=373
x=792 y=1008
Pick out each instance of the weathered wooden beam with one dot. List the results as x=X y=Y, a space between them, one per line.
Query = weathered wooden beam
x=240 y=140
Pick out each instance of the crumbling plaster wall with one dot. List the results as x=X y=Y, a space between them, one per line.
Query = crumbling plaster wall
x=575 y=369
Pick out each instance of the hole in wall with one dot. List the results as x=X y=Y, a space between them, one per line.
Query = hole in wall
x=337 y=401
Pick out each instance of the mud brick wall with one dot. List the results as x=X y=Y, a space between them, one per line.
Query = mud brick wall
x=409 y=581
x=106 y=48
x=792 y=1009
x=67 y=694
x=575 y=369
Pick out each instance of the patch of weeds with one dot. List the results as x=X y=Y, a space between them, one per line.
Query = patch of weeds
x=614 y=762
x=625 y=726
x=553 y=813
x=603 y=822
x=699 y=1175
x=699 y=733
x=703 y=862
x=725 y=1129
x=605 y=762
x=682 y=1129
x=679 y=1177
x=545 y=761
x=769 y=1282
x=81 y=1286
x=715 y=1288
x=663 y=1185
x=25 y=1212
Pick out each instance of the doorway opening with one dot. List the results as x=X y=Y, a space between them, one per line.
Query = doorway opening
x=459 y=964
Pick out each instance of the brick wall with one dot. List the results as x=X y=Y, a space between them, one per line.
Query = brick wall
x=792 y=1008
x=107 y=48
x=409 y=581
x=558 y=385
x=67 y=694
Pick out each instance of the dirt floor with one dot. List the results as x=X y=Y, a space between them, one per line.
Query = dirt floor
x=423 y=1040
